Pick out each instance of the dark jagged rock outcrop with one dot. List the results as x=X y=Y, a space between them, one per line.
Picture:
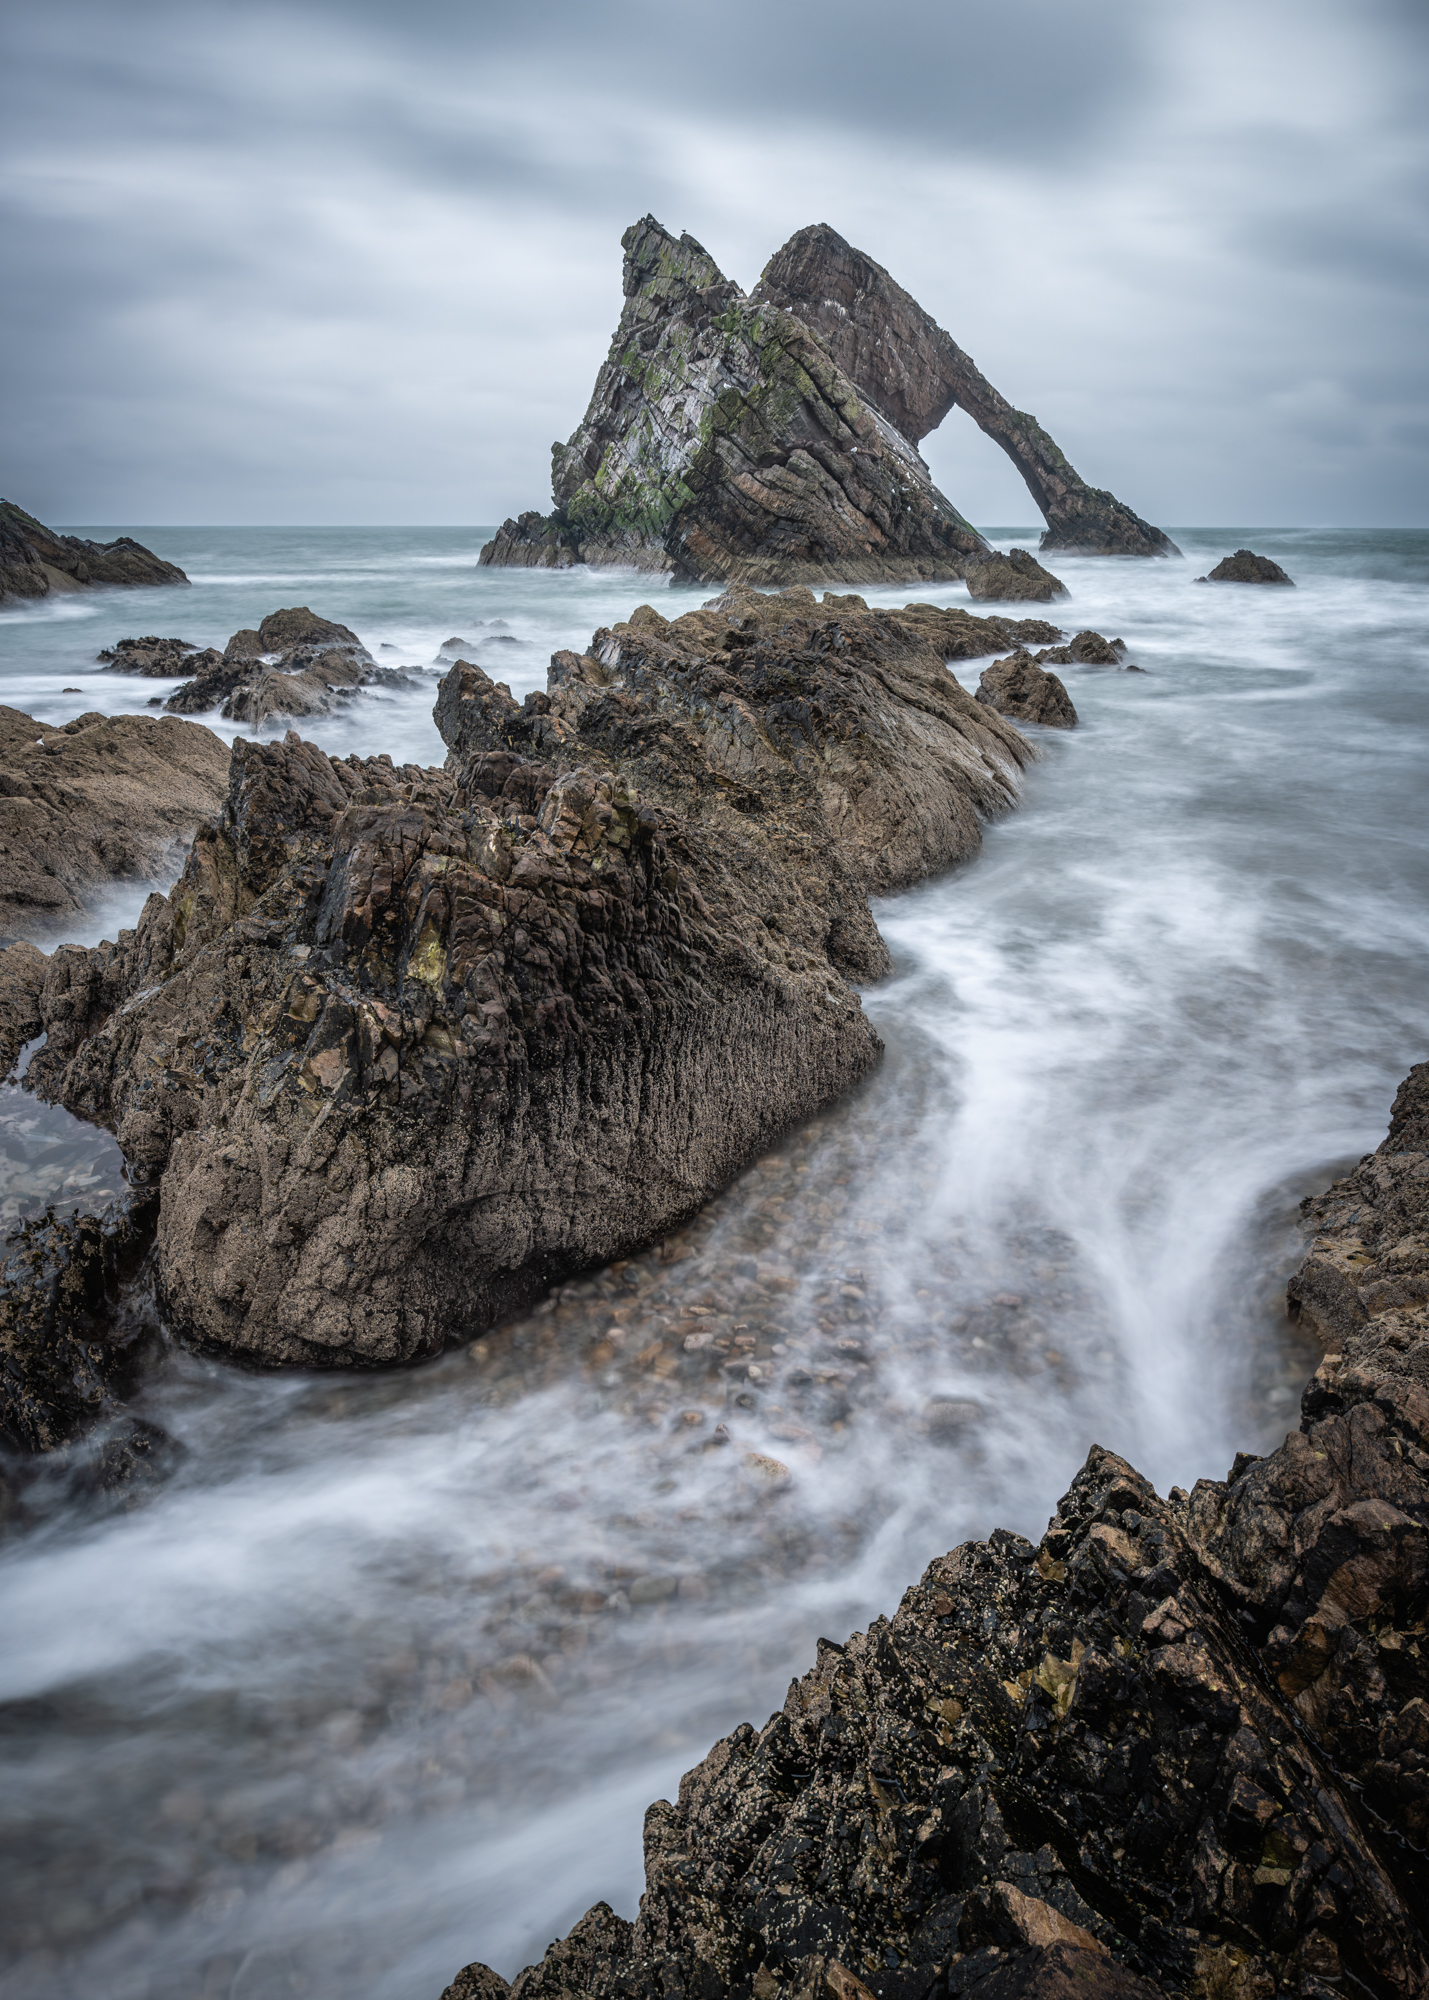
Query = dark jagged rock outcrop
x=404 y=1046
x=103 y=798
x=1018 y=687
x=294 y=665
x=1245 y=566
x=35 y=561
x=1181 y=1747
x=723 y=443
x=902 y=360
x=66 y=1353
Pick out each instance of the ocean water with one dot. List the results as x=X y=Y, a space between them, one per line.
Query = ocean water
x=383 y=1678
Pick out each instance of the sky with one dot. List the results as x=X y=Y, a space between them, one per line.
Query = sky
x=349 y=261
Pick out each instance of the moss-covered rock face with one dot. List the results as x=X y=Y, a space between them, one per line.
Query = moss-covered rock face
x=901 y=358
x=724 y=443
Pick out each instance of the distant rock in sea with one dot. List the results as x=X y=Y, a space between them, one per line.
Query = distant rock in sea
x=36 y=562
x=773 y=438
x=1246 y=567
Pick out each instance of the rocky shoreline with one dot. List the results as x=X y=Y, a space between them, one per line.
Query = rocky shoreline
x=1179 y=1747
x=403 y=1047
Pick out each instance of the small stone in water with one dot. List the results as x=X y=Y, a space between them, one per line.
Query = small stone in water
x=764 y=1471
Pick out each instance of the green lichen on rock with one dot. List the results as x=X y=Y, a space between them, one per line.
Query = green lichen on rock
x=724 y=442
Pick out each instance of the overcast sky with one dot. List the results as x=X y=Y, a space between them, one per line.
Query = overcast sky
x=352 y=262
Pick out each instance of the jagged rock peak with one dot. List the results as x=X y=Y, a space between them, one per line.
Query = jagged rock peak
x=723 y=443
x=897 y=355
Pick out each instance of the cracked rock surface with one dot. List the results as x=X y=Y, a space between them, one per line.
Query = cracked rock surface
x=1180 y=1747
x=402 y=1047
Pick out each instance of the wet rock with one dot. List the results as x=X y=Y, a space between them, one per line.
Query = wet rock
x=157 y=659
x=723 y=443
x=1180 y=1746
x=295 y=665
x=1013 y=578
x=22 y=978
x=404 y=1047
x=1019 y=688
x=900 y=358
x=1246 y=567
x=64 y=1354
x=36 y=562
x=1090 y=649
x=103 y=798
x=477 y=1982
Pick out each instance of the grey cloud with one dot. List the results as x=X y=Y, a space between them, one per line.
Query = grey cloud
x=332 y=261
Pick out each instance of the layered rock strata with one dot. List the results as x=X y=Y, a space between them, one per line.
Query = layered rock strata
x=36 y=562
x=898 y=357
x=723 y=443
x=1180 y=1747
x=1245 y=566
x=403 y=1046
x=102 y=799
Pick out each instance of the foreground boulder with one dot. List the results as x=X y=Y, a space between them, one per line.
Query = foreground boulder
x=404 y=1046
x=723 y=443
x=1246 y=567
x=1018 y=687
x=100 y=800
x=901 y=359
x=1012 y=578
x=36 y=562
x=1180 y=1747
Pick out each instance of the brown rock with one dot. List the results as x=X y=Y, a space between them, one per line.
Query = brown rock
x=477 y=1982
x=157 y=659
x=1246 y=567
x=103 y=798
x=35 y=561
x=1010 y=579
x=723 y=443
x=1180 y=1748
x=405 y=1046
x=900 y=358
x=1019 y=688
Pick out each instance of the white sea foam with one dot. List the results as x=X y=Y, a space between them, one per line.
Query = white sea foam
x=323 y=1717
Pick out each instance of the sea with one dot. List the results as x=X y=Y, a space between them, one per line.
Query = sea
x=382 y=1677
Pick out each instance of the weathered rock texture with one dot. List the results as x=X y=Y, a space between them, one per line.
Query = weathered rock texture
x=66 y=1353
x=35 y=561
x=904 y=363
x=1019 y=688
x=295 y=665
x=1011 y=579
x=403 y=1046
x=104 y=798
x=722 y=442
x=1180 y=1747
x=1246 y=567
x=154 y=658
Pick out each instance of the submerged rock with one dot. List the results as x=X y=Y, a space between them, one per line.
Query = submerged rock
x=724 y=443
x=898 y=356
x=1246 y=567
x=1178 y=1747
x=1019 y=688
x=404 y=1046
x=102 y=799
x=36 y=562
